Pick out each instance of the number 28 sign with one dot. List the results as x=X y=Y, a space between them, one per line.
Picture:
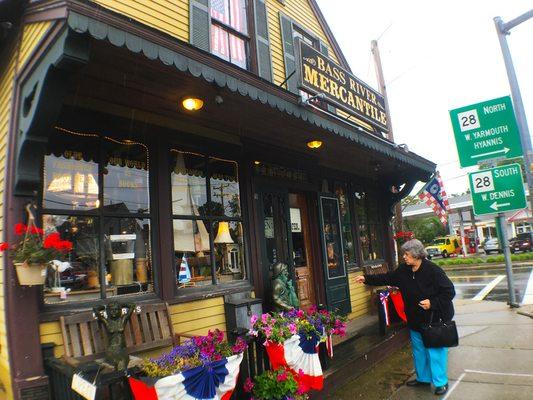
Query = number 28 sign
x=486 y=131
x=497 y=189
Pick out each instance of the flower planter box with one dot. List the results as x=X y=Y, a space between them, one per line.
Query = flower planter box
x=31 y=274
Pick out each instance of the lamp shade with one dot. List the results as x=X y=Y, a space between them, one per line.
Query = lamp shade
x=223 y=235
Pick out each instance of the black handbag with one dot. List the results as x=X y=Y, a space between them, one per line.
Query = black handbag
x=439 y=333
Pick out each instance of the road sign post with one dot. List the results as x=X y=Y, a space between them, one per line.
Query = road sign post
x=507 y=255
x=497 y=189
x=486 y=131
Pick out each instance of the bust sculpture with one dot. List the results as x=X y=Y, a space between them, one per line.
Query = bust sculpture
x=114 y=320
x=283 y=293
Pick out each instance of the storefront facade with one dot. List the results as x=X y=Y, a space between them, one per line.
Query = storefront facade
x=184 y=206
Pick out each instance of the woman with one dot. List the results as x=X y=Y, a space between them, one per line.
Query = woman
x=425 y=288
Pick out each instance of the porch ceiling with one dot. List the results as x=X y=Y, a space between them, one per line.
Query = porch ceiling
x=380 y=152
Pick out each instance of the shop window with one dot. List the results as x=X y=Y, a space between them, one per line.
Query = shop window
x=207 y=228
x=96 y=194
x=229 y=39
x=346 y=225
x=523 y=227
x=369 y=225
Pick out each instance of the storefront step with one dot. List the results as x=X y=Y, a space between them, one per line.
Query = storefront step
x=360 y=353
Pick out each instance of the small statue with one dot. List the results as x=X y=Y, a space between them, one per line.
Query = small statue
x=283 y=293
x=115 y=321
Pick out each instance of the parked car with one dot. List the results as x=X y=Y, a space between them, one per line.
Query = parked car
x=521 y=242
x=492 y=245
x=444 y=246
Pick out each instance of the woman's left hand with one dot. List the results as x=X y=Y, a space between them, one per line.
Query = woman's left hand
x=425 y=304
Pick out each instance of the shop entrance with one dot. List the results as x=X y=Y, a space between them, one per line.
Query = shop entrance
x=285 y=237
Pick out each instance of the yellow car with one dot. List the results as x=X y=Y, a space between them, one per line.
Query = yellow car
x=444 y=246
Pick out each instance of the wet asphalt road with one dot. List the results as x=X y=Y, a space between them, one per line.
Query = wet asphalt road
x=490 y=283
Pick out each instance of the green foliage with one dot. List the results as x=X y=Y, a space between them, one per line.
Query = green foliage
x=426 y=229
x=278 y=384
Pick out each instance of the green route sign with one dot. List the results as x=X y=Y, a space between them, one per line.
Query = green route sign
x=497 y=189
x=486 y=131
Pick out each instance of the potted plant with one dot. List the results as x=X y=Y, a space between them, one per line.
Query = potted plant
x=291 y=341
x=202 y=367
x=279 y=384
x=34 y=252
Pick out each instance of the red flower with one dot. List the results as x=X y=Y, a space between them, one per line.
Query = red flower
x=4 y=246
x=51 y=241
x=36 y=231
x=20 y=229
x=64 y=245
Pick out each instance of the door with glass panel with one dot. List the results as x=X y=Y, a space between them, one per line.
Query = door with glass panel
x=284 y=237
x=335 y=274
x=302 y=256
x=273 y=232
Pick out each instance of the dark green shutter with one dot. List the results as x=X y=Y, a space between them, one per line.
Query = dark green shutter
x=199 y=21
x=264 y=62
x=288 y=53
x=324 y=49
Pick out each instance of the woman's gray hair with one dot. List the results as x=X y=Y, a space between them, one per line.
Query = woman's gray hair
x=415 y=248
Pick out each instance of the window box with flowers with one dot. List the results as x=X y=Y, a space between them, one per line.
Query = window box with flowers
x=35 y=252
x=203 y=367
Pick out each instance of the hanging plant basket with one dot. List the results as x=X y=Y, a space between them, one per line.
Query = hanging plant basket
x=31 y=274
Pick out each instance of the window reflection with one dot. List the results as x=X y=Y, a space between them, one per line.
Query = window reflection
x=126 y=179
x=80 y=280
x=225 y=187
x=189 y=189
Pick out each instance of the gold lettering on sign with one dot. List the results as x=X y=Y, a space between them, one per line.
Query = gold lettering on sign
x=319 y=74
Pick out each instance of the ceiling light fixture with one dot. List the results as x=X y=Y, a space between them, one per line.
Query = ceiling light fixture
x=314 y=144
x=192 y=103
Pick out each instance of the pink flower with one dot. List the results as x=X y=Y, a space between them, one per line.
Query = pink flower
x=282 y=377
x=248 y=385
x=264 y=318
x=300 y=314
x=292 y=328
x=268 y=331
x=253 y=319
x=253 y=332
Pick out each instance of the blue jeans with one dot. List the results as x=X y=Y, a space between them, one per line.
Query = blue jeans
x=430 y=364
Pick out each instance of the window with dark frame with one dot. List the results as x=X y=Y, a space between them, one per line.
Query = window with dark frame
x=369 y=226
x=96 y=193
x=229 y=31
x=208 y=235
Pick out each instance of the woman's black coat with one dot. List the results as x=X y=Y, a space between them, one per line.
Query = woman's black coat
x=428 y=282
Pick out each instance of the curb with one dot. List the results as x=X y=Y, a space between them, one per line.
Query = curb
x=484 y=265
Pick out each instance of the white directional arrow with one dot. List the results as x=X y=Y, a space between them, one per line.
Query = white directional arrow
x=497 y=205
x=505 y=150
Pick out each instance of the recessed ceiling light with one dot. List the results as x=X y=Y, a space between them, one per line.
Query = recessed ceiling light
x=192 y=103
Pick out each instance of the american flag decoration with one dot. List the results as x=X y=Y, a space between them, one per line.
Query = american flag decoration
x=223 y=43
x=435 y=197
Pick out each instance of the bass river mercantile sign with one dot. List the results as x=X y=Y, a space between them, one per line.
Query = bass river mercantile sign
x=319 y=74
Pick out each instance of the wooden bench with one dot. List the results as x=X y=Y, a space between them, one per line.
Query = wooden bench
x=85 y=342
x=85 y=338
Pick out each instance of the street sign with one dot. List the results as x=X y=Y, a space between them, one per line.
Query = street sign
x=497 y=189
x=486 y=131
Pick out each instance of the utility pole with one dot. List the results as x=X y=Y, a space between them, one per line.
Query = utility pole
x=504 y=29
x=398 y=219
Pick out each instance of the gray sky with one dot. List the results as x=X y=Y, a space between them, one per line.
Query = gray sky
x=436 y=56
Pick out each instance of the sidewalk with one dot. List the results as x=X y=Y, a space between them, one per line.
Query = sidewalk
x=493 y=361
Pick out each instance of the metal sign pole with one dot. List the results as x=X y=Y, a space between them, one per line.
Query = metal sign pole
x=507 y=253
x=503 y=29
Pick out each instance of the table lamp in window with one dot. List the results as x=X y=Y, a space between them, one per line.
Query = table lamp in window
x=223 y=238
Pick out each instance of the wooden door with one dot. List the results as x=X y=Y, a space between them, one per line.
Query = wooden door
x=301 y=249
x=335 y=275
